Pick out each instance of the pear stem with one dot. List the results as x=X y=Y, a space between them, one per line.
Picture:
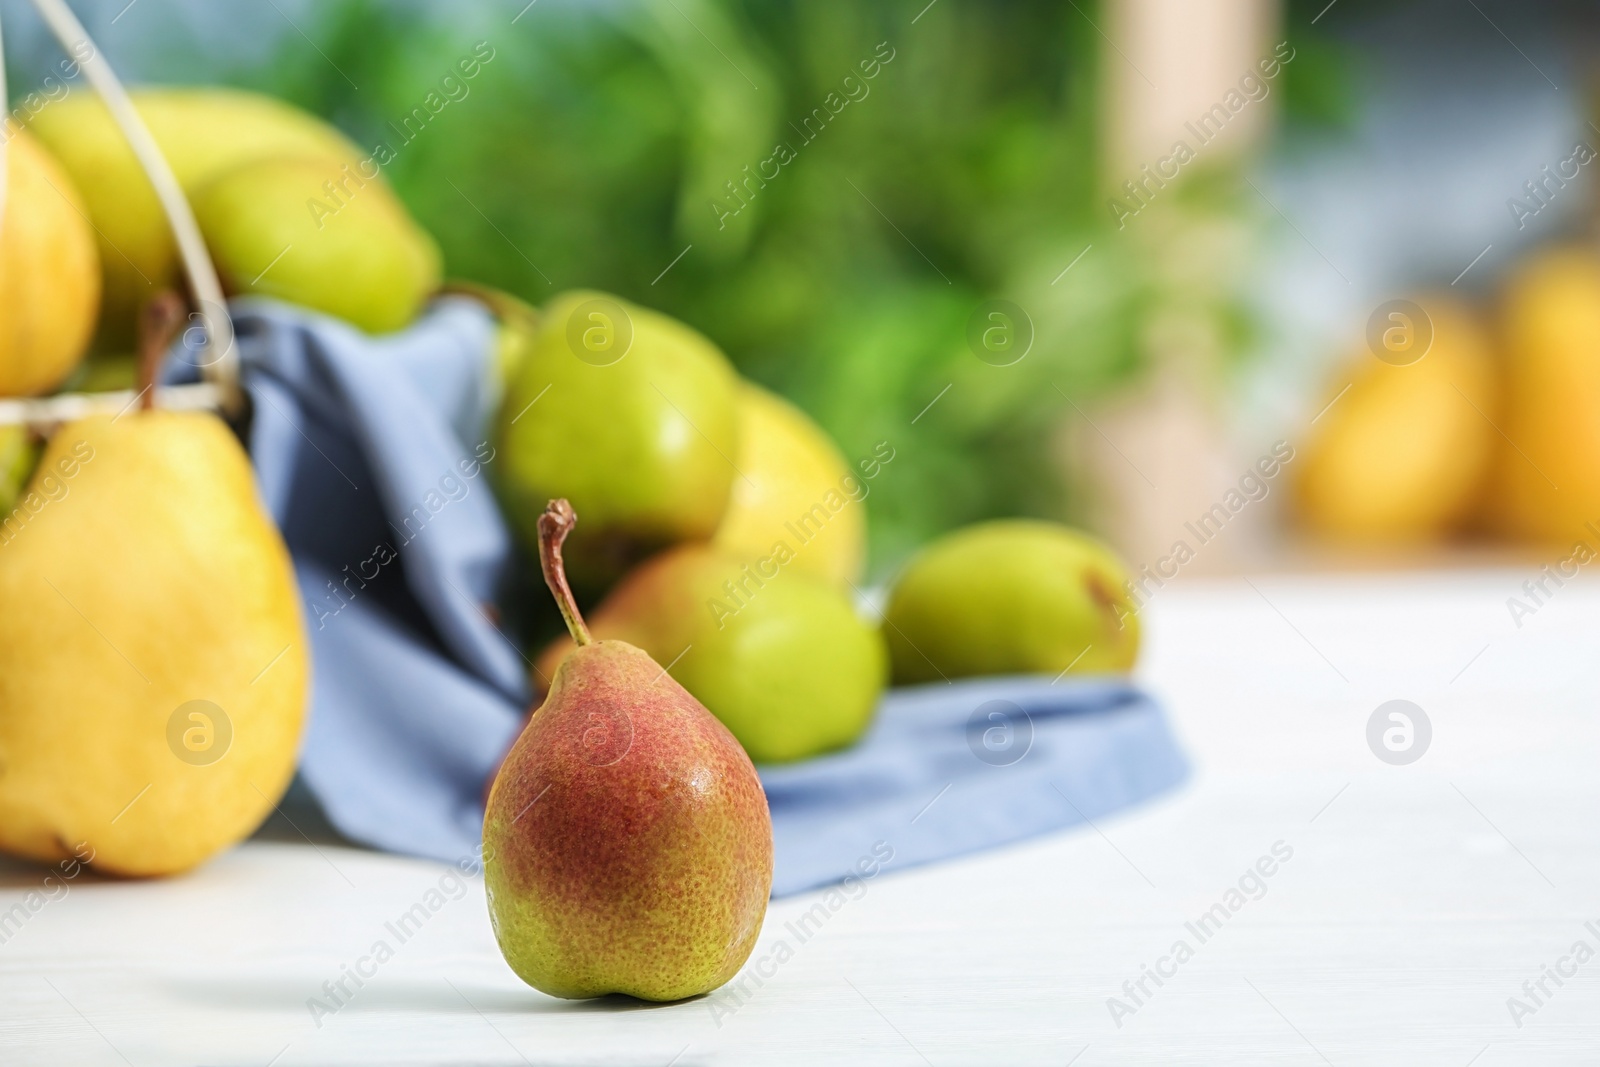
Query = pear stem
x=158 y=325
x=554 y=525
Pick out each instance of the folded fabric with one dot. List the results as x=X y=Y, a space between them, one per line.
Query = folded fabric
x=372 y=455
x=948 y=769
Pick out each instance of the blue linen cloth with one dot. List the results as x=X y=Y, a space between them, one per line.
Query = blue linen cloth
x=373 y=456
x=951 y=768
x=362 y=447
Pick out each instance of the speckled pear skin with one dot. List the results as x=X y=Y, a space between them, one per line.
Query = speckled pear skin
x=627 y=842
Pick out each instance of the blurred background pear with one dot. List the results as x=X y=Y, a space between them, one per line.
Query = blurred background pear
x=316 y=233
x=18 y=455
x=1547 y=487
x=202 y=132
x=630 y=415
x=777 y=653
x=1013 y=596
x=1400 y=457
x=788 y=468
x=49 y=273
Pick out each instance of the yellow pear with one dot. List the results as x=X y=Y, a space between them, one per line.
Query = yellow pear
x=796 y=488
x=1547 y=479
x=153 y=662
x=48 y=272
x=202 y=132
x=1400 y=457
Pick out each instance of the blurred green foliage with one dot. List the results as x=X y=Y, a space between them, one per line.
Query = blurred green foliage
x=593 y=148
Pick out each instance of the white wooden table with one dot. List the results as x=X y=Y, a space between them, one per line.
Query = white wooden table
x=1417 y=901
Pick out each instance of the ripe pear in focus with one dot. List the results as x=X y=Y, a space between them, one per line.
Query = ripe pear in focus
x=49 y=272
x=143 y=576
x=202 y=132
x=776 y=653
x=1401 y=456
x=275 y=230
x=627 y=844
x=630 y=415
x=788 y=470
x=1014 y=596
x=1551 y=332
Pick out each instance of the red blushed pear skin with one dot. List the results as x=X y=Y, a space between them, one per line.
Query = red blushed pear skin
x=627 y=843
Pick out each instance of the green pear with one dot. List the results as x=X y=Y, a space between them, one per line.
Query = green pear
x=314 y=232
x=19 y=454
x=778 y=653
x=202 y=132
x=153 y=662
x=627 y=846
x=1011 y=597
x=106 y=372
x=630 y=415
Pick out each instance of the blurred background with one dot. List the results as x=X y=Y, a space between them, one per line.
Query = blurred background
x=1183 y=315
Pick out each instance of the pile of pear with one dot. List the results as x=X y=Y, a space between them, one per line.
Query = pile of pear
x=1494 y=432
x=688 y=481
x=154 y=664
x=724 y=534
x=288 y=206
x=154 y=668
